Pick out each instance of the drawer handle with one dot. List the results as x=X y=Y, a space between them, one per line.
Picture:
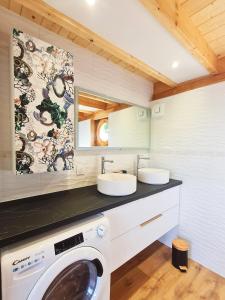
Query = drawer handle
x=151 y=220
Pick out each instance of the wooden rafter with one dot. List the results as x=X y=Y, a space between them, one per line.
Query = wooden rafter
x=82 y=116
x=86 y=112
x=162 y=91
x=90 y=96
x=92 y=103
x=171 y=15
x=42 y=13
x=101 y=114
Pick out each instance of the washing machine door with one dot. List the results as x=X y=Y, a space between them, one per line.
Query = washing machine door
x=80 y=274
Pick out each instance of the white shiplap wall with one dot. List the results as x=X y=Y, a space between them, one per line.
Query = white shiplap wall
x=190 y=141
x=91 y=72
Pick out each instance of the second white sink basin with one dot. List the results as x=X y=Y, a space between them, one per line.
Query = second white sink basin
x=153 y=176
x=116 y=184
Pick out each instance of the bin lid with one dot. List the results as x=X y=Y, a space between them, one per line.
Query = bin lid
x=180 y=244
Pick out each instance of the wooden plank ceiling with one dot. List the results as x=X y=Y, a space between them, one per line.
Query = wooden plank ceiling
x=171 y=15
x=198 y=24
x=209 y=18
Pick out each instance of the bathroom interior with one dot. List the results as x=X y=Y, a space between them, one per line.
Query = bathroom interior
x=112 y=149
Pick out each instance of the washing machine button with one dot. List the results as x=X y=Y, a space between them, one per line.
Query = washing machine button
x=101 y=230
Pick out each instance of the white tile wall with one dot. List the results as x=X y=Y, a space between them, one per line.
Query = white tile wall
x=92 y=72
x=190 y=141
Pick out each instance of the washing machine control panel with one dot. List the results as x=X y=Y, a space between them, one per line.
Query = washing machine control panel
x=68 y=243
x=25 y=263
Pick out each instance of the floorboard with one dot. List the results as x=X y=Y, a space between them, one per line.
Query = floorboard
x=150 y=276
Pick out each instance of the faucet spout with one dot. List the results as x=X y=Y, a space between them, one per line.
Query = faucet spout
x=103 y=161
x=139 y=157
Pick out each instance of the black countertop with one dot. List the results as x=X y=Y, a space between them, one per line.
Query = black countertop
x=26 y=217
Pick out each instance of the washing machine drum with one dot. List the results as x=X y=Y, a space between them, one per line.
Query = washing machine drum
x=77 y=275
x=77 y=281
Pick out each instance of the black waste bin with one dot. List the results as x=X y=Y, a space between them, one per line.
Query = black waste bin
x=180 y=254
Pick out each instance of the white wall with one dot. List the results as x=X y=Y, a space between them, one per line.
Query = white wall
x=190 y=141
x=91 y=72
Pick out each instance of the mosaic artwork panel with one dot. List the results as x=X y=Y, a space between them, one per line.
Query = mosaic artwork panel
x=43 y=94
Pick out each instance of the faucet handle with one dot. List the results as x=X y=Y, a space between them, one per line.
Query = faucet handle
x=121 y=172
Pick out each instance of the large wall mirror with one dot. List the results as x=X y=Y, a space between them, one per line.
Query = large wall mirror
x=106 y=122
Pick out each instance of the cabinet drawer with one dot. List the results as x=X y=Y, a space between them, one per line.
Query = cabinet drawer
x=131 y=243
x=128 y=216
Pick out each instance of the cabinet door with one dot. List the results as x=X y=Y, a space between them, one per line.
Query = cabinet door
x=128 y=216
x=131 y=243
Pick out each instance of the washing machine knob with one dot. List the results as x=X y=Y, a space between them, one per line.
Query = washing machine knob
x=101 y=230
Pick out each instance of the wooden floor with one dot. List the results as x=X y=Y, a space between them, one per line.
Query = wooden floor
x=150 y=276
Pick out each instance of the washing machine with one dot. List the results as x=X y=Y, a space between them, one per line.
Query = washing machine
x=70 y=263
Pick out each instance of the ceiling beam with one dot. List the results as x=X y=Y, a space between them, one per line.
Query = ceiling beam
x=105 y=113
x=49 y=13
x=83 y=116
x=88 y=95
x=87 y=112
x=101 y=114
x=92 y=103
x=170 y=14
x=162 y=91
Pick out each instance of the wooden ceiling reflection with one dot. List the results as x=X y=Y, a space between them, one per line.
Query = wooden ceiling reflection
x=102 y=107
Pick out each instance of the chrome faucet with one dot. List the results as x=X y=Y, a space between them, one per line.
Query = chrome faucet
x=103 y=161
x=139 y=157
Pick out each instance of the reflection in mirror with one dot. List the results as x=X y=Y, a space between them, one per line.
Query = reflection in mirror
x=103 y=122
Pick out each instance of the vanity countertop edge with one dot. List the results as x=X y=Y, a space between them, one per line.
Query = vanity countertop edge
x=27 y=217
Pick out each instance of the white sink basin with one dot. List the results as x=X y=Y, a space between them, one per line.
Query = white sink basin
x=153 y=176
x=116 y=184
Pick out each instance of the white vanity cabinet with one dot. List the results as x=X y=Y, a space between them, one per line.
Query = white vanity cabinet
x=137 y=224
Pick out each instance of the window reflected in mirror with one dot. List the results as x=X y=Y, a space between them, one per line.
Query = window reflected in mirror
x=106 y=123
